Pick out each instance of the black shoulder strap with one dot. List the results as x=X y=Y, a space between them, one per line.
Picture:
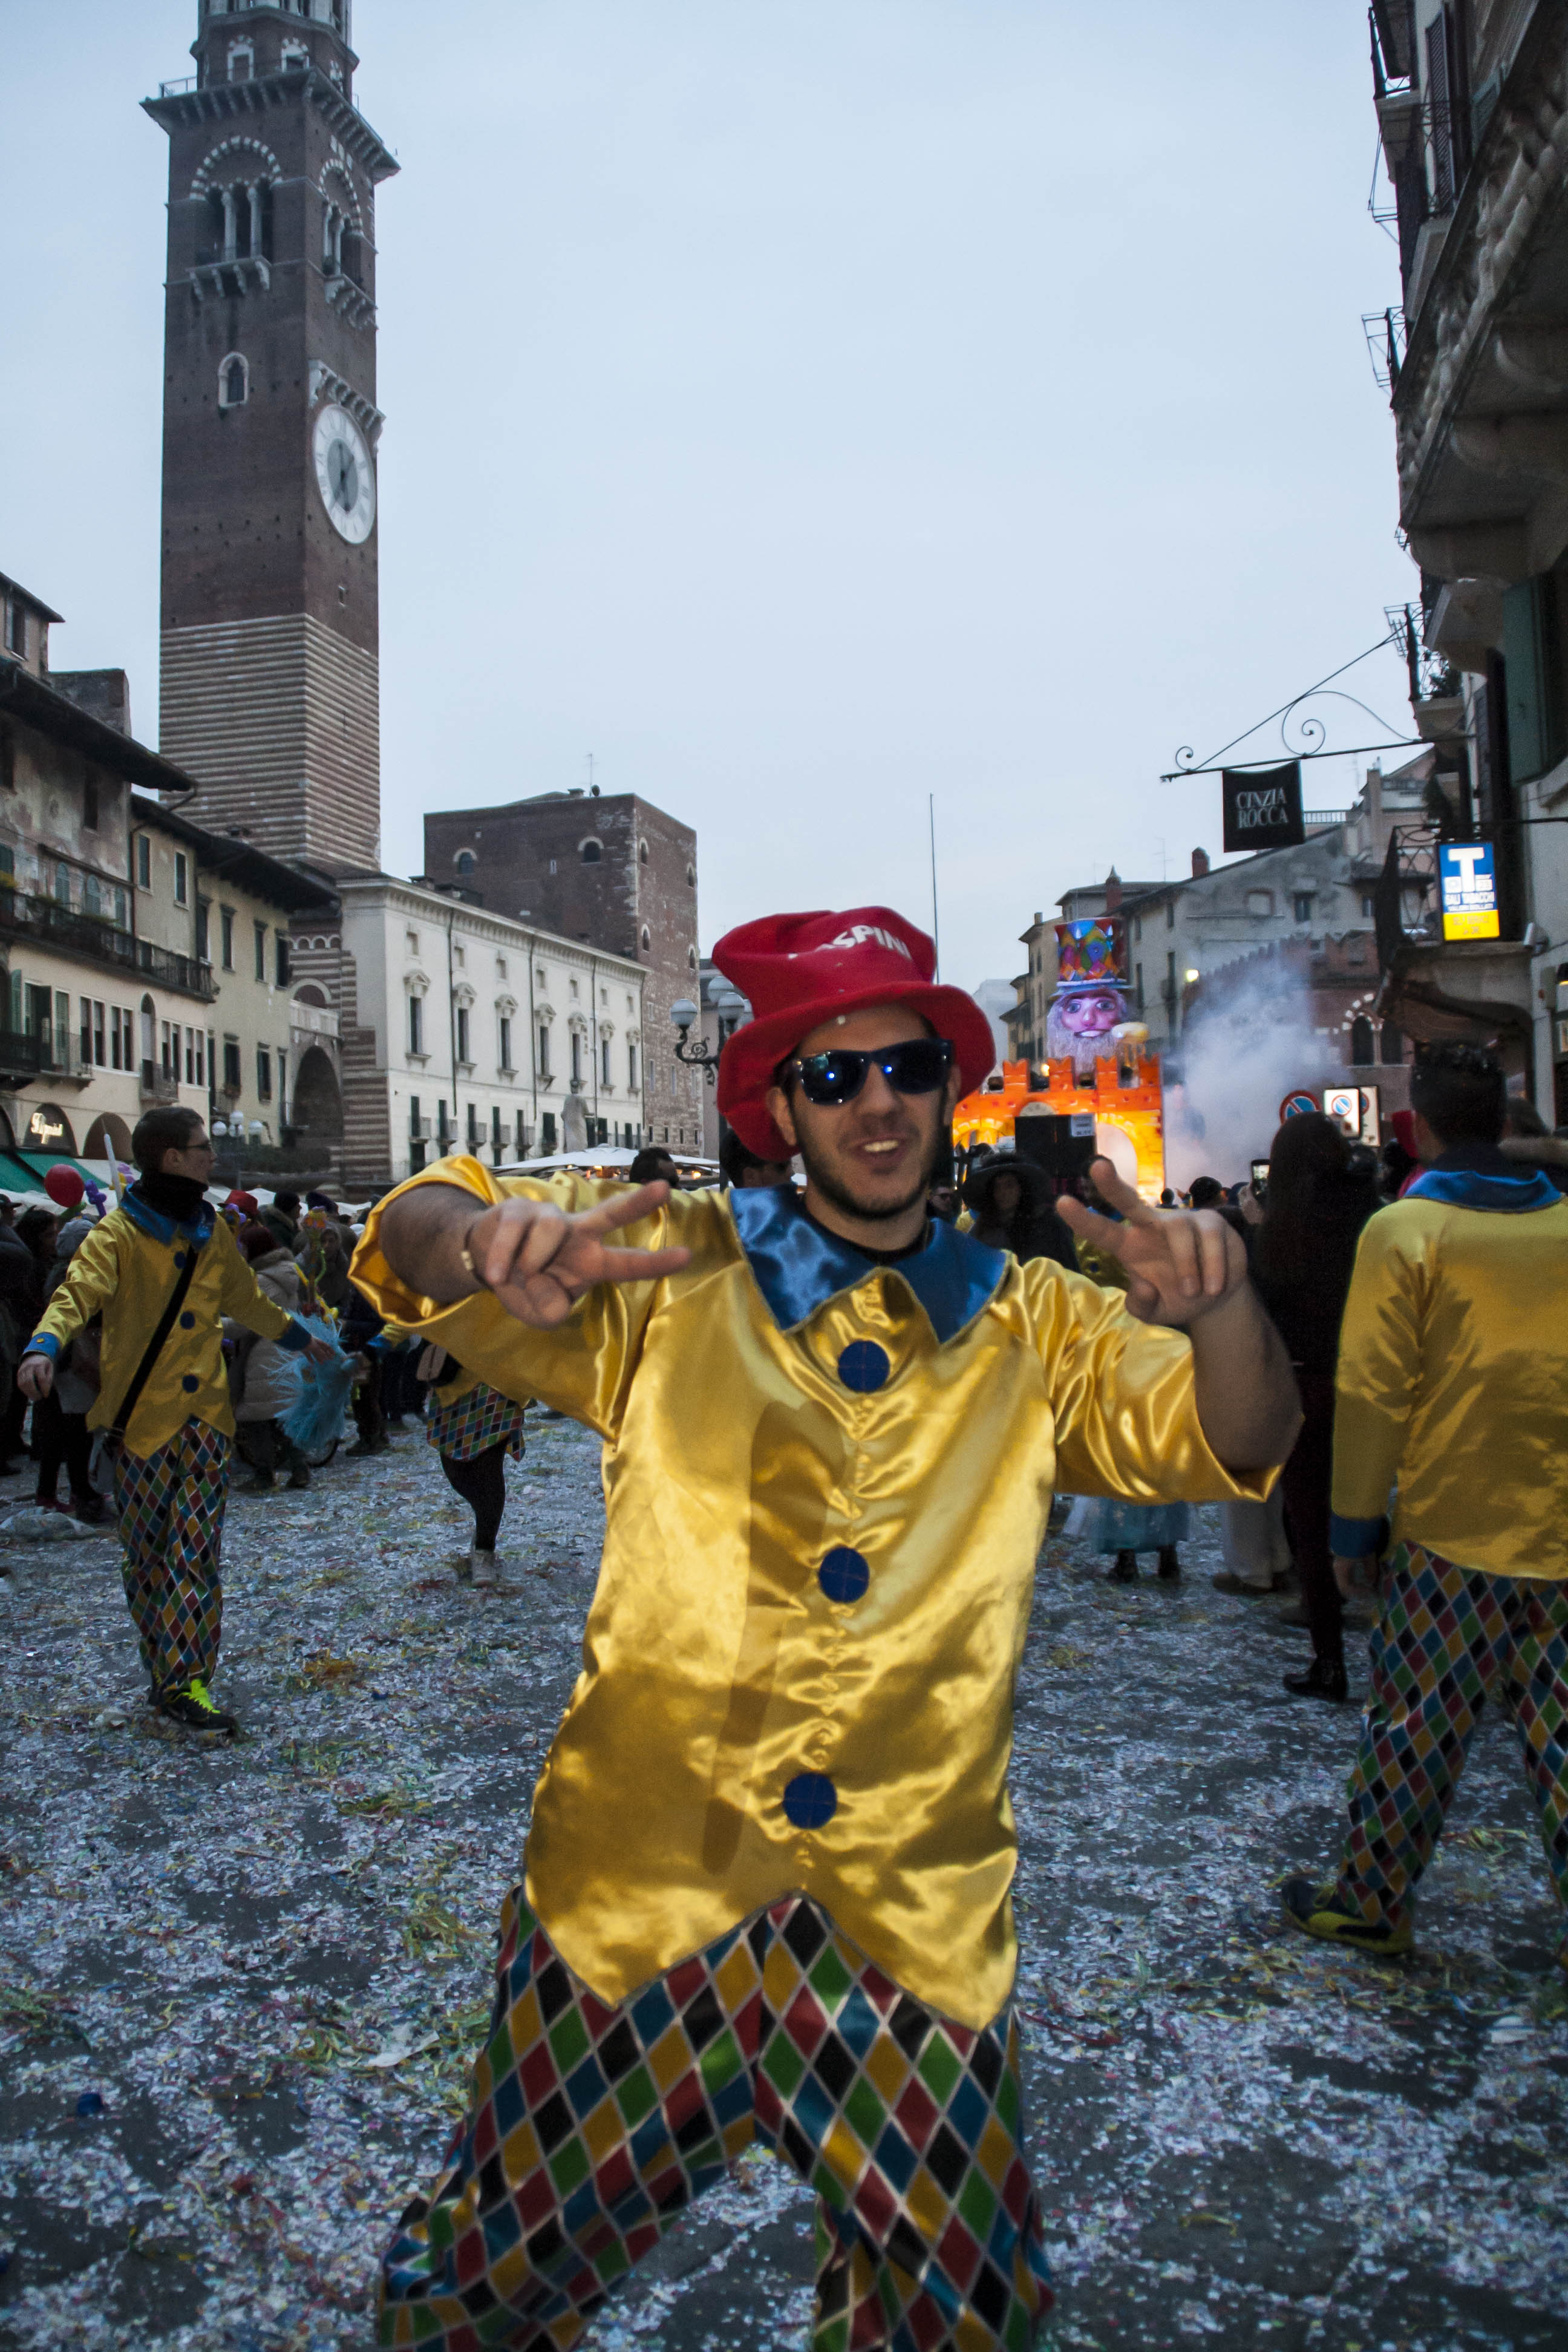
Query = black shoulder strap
x=143 y=1372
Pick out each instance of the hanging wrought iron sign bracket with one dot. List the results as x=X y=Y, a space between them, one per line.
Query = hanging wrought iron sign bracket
x=1303 y=736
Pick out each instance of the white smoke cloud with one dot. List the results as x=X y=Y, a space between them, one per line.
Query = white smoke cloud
x=1240 y=1059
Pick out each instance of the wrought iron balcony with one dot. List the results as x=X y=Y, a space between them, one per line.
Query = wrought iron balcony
x=28 y=915
x=23 y=1057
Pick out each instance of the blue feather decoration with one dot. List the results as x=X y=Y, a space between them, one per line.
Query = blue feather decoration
x=317 y=1414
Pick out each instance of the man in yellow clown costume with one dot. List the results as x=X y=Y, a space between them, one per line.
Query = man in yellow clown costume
x=765 y=1890
x=169 y=1403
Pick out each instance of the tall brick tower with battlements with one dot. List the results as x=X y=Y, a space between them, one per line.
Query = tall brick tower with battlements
x=269 y=671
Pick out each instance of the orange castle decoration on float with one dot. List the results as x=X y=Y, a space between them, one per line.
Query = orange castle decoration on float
x=1099 y=1063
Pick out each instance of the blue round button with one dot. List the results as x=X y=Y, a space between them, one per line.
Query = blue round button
x=187 y=1321
x=810 y=1801
x=864 y=1366
x=844 y=1574
x=190 y=1384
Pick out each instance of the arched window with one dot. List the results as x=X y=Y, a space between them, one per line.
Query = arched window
x=1361 y=1040
x=295 y=58
x=241 y=61
x=464 y=861
x=690 y=959
x=647 y=938
x=1391 y=1046
x=691 y=877
x=591 y=852
x=234 y=381
x=642 y=853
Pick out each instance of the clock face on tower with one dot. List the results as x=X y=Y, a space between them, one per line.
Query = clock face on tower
x=344 y=474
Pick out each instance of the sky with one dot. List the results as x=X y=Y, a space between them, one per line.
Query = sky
x=815 y=413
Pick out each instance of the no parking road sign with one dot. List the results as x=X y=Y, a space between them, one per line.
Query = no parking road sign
x=1294 y=1106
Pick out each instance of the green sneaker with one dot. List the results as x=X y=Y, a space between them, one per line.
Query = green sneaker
x=1314 y=1910
x=192 y=1704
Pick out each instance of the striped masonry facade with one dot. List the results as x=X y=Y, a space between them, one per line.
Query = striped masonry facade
x=367 y=1101
x=279 y=720
x=362 y=1160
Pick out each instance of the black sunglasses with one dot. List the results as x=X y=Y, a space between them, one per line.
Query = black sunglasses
x=918 y=1066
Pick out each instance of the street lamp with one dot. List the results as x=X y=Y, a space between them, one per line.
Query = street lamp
x=729 y=1004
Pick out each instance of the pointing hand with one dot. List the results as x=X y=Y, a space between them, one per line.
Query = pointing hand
x=1180 y=1263
x=539 y=1261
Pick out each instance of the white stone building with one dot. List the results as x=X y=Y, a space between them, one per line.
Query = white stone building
x=465 y=1031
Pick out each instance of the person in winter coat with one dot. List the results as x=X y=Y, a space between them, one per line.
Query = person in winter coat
x=362 y=1333
x=60 y=1419
x=264 y=1385
x=18 y=1312
x=1321 y=1190
x=281 y=1218
x=37 y=1230
x=324 y=1255
x=1010 y=1205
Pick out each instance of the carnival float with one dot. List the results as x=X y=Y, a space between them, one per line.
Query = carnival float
x=1099 y=1088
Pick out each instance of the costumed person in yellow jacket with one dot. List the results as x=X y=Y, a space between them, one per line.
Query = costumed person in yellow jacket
x=162 y=1263
x=766 y=1882
x=1453 y=1369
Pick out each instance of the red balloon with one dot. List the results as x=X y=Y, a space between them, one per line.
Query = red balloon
x=64 y=1186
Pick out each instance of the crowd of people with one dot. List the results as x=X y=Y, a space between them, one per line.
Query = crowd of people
x=857 y=1388
x=157 y=1341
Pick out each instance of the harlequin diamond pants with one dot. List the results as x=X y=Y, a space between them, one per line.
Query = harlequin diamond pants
x=593 y=2128
x=170 y=1506
x=1447 y=1639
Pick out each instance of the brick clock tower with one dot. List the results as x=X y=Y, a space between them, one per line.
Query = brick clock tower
x=268 y=670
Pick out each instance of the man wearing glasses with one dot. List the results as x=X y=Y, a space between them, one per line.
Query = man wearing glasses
x=765 y=1890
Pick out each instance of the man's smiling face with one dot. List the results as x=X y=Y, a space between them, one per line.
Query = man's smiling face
x=872 y=1157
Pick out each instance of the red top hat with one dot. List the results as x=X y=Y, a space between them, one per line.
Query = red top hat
x=799 y=971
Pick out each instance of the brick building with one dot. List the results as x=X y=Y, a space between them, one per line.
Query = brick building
x=607 y=870
x=270 y=633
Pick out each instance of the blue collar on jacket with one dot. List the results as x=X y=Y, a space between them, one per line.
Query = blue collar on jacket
x=163 y=1229
x=1478 y=1176
x=797 y=1267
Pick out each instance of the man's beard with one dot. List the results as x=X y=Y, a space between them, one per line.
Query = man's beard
x=828 y=1186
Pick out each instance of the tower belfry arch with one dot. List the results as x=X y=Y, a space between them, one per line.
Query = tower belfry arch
x=269 y=622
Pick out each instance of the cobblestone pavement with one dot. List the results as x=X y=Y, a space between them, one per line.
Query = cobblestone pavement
x=240 y=1986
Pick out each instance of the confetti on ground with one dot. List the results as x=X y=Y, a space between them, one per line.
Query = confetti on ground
x=240 y=1988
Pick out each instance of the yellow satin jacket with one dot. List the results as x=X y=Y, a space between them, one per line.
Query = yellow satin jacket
x=1453 y=1376
x=126 y=1269
x=826 y=1482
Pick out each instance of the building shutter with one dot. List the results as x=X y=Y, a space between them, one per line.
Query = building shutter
x=1525 y=672
x=1437 y=100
